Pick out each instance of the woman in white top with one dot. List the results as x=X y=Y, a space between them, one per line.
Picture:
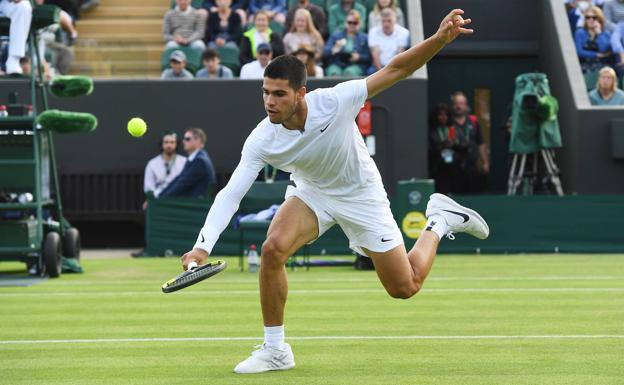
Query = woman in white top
x=305 y=53
x=303 y=31
x=374 y=18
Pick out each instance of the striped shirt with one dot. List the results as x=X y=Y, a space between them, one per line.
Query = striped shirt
x=614 y=11
x=189 y=24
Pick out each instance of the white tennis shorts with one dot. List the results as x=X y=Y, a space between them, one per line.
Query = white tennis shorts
x=365 y=219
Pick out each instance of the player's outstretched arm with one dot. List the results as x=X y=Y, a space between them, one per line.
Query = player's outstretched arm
x=405 y=63
x=223 y=208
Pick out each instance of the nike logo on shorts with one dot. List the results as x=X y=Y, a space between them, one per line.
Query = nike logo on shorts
x=464 y=216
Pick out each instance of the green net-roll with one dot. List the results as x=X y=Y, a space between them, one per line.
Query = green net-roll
x=66 y=122
x=71 y=86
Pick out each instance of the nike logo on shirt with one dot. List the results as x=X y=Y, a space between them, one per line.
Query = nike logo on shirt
x=386 y=240
x=202 y=235
x=323 y=130
x=464 y=216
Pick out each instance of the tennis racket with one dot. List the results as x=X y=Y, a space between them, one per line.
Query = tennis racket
x=193 y=275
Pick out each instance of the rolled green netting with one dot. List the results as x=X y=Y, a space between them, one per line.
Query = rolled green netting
x=71 y=86
x=66 y=122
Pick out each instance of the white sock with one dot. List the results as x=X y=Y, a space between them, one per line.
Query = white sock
x=438 y=225
x=274 y=336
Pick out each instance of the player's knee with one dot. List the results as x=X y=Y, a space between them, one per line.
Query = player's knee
x=404 y=291
x=274 y=253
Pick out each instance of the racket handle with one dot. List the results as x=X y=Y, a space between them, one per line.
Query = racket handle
x=191 y=266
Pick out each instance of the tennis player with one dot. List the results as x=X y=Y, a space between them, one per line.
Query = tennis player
x=314 y=137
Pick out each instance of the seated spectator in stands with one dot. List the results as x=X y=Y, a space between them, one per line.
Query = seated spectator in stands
x=212 y=67
x=184 y=26
x=387 y=40
x=305 y=53
x=302 y=32
x=224 y=26
x=26 y=65
x=617 y=46
x=338 y=13
x=275 y=9
x=165 y=167
x=593 y=44
x=260 y=33
x=238 y=6
x=198 y=172
x=177 y=61
x=255 y=69
x=20 y=13
x=374 y=18
x=318 y=16
x=347 y=51
x=606 y=92
x=613 y=11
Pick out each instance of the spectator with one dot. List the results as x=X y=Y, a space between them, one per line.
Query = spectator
x=260 y=33
x=593 y=45
x=238 y=6
x=184 y=26
x=20 y=13
x=617 y=46
x=469 y=147
x=442 y=143
x=303 y=32
x=347 y=51
x=178 y=70
x=386 y=40
x=338 y=13
x=606 y=92
x=165 y=167
x=26 y=65
x=374 y=18
x=69 y=13
x=255 y=69
x=318 y=16
x=306 y=53
x=275 y=9
x=614 y=11
x=212 y=67
x=224 y=27
x=198 y=173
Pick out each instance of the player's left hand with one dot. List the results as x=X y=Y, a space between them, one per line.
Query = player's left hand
x=453 y=26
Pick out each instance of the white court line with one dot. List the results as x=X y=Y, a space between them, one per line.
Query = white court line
x=314 y=338
x=254 y=281
x=156 y=291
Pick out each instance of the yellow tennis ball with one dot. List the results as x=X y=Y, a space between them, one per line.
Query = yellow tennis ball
x=137 y=127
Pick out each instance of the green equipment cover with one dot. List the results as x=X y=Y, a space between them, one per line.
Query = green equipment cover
x=71 y=86
x=534 y=116
x=65 y=122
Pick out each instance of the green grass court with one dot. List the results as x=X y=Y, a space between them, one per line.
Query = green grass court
x=524 y=319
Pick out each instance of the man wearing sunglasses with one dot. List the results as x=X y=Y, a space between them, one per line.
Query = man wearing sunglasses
x=198 y=173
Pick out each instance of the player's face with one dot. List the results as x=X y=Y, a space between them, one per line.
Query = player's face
x=280 y=100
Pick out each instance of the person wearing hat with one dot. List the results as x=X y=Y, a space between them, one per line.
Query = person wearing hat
x=347 y=51
x=255 y=69
x=305 y=53
x=177 y=60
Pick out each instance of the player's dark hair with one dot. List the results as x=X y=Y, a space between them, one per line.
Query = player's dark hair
x=289 y=68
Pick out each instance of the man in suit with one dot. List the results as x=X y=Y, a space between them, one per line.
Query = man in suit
x=198 y=172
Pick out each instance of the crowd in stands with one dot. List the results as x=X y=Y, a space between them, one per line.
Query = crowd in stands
x=54 y=40
x=238 y=38
x=598 y=29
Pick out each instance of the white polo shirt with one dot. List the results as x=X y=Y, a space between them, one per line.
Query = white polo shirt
x=389 y=45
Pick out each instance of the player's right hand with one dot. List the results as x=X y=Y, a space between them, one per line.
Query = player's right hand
x=197 y=255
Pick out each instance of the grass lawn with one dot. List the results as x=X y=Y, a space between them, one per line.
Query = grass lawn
x=524 y=319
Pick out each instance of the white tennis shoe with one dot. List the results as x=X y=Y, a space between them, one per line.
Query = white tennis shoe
x=267 y=358
x=460 y=219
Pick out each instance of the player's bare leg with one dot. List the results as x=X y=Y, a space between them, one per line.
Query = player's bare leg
x=403 y=273
x=294 y=225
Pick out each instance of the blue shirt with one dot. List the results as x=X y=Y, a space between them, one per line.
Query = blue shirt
x=616 y=100
x=581 y=37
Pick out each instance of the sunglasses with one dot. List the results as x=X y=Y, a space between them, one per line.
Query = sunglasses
x=187 y=138
x=353 y=22
x=591 y=17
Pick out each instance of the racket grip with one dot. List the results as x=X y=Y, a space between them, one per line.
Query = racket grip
x=191 y=265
